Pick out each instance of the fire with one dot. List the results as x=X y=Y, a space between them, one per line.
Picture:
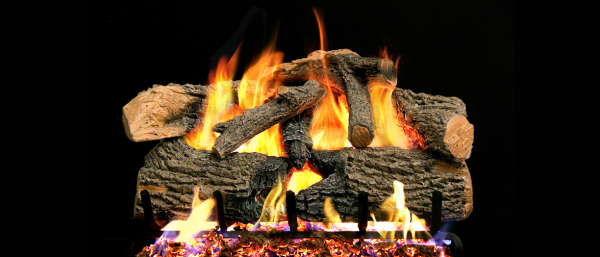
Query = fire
x=197 y=221
x=329 y=126
x=220 y=101
x=252 y=92
x=301 y=179
x=395 y=210
x=387 y=128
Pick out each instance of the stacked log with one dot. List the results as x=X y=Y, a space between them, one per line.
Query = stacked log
x=173 y=170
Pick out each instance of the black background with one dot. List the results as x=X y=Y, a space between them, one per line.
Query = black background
x=452 y=48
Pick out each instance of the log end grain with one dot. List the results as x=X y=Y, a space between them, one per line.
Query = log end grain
x=360 y=137
x=459 y=137
x=160 y=112
x=461 y=172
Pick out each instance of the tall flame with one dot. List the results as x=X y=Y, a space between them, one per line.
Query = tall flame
x=220 y=101
x=388 y=131
x=396 y=211
x=329 y=126
x=254 y=91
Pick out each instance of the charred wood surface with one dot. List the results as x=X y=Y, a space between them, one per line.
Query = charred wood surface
x=166 y=111
x=373 y=170
x=173 y=171
x=441 y=121
x=296 y=140
x=291 y=102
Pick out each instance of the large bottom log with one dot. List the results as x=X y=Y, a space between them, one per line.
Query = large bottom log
x=373 y=170
x=173 y=170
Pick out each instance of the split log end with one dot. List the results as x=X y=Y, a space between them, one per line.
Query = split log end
x=360 y=137
x=459 y=137
x=160 y=112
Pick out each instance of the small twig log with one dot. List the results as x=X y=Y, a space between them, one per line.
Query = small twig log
x=440 y=120
x=291 y=102
x=373 y=170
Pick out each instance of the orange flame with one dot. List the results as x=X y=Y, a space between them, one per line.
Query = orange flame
x=255 y=90
x=329 y=126
x=220 y=100
x=301 y=179
x=388 y=131
x=321 y=25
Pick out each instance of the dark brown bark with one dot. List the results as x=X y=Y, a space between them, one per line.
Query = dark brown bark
x=440 y=120
x=173 y=171
x=291 y=102
x=373 y=170
x=296 y=139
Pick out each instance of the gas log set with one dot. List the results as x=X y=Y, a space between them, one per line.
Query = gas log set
x=322 y=156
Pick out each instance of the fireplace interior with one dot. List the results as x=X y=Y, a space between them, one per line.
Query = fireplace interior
x=361 y=160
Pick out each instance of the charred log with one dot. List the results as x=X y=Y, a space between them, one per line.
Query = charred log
x=373 y=170
x=296 y=140
x=442 y=122
x=291 y=101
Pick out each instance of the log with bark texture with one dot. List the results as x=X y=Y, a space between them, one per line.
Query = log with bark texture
x=348 y=71
x=166 y=111
x=373 y=170
x=173 y=170
x=441 y=121
x=291 y=101
x=297 y=143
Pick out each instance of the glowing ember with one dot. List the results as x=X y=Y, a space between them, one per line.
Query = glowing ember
x=213 y=244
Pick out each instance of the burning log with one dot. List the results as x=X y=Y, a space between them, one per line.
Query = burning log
x=291 y=101
x=296 y=140
x=165 y=111
x=351 y=72
x=372 y=170
x=173 y=171
x=440 y=120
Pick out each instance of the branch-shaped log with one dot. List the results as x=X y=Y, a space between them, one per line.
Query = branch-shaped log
x=173 y=171
x=296 y=140
x=350 y=72
x=166 y=111
x=441 y=120
x=373 y=170
x=291 y=102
